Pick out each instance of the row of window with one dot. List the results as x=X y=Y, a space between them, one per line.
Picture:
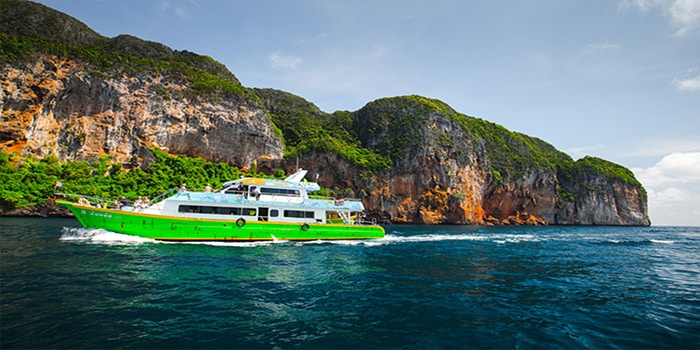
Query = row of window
x=200 y=209
x=216 y=210
x=279 y=191
x=298 y=214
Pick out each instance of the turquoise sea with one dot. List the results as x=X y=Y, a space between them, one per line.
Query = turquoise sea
x=424 y=287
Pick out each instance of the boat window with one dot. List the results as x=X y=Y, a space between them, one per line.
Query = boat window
x=298 y=214
x=188 y=209
x=233 y=190
x=208 y=210
x=279 y=191
x=274 y=213
x=229 y=211
x=215 y=210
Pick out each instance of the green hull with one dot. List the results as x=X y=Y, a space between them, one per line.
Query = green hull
x=171 y=228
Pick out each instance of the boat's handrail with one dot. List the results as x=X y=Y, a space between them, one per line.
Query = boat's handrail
x=163 y=195
x=109 y=203
x=364 y=221
x=335 y=199
x=321 y=197
x=93 y=201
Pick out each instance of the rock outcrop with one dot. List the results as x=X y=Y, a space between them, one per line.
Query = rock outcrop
x=444 y=173
x=56 y=106
x=129 y=95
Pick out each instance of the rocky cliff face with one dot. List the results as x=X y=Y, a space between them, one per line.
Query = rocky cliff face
x=443 y=174
x=56 y=106
x=601 y=200
x=446 y=168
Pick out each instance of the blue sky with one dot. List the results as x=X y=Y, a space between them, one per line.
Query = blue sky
x=616 y=79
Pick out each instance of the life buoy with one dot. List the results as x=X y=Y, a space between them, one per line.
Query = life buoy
x=305 y=227
x=240 y=222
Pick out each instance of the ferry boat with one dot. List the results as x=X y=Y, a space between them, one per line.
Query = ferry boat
x=248 y=209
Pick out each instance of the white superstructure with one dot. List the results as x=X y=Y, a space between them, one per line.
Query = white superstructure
x=259 y=199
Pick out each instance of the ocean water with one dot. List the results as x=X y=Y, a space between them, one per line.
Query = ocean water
x=424 y=287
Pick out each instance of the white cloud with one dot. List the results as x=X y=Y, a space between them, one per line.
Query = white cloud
x=673 y=186
x=667 y=196
x=182 y=12
x=682 y=14
x=284 y=61
x=604 y=46
x=180 y=9
x=675 y=168
x=690 y=84
x=685 y=14
x=642 y=5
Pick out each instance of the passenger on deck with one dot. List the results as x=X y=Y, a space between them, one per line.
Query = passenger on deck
x=145 y=202
x=122 y=202
x=207 y=188
x=256 y=192
x=183 y=188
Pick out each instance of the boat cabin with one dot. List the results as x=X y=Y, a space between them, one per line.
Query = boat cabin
x=265 y=200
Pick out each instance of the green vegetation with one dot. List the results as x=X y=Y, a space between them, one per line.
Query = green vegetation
x=307 y=129
x=105 y=60
x=497 y=176
x=393 y=126
x=398 y=124
x=30 y=29
x=512 y=153
x=27 y=181
x=594 y=165
x=564 y=194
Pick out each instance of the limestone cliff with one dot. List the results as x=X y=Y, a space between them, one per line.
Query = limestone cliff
x=65 y=105
x=56 y=106
x=70 y=92
x=451 y=168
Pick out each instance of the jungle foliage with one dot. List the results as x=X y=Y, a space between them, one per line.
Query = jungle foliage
x=306 y=129
x=28 y=181
x=595 y=165
x=392 y=126
x=398 y=123
x=105 y=60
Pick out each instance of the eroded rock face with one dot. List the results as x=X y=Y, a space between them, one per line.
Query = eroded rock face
x=56 y=106
x=603 y=201
x=446 y=179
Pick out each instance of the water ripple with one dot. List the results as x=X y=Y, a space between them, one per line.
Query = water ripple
x=420 y=287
